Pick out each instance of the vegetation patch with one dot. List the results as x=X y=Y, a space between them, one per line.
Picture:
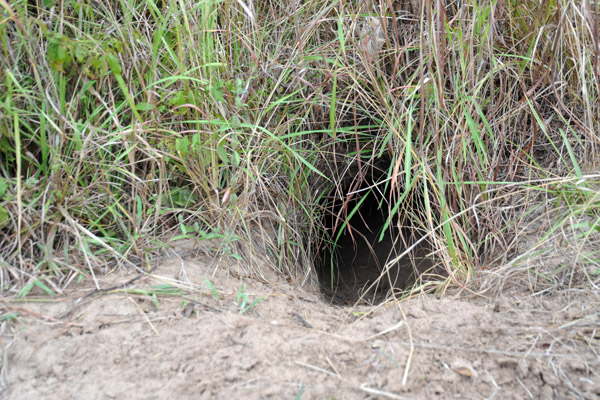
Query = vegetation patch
x=296 y=129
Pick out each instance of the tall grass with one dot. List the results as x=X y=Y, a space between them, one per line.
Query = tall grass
x=125 y=123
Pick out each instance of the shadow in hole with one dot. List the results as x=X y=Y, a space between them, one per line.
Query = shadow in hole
x=358 y=259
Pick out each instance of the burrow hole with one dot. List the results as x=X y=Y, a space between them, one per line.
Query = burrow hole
x=359 y=260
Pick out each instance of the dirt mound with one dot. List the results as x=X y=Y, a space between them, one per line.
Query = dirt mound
x=175 y=335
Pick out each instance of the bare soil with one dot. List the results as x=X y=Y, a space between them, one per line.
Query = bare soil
x=142 y=343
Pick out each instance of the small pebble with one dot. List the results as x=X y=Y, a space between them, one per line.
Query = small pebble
x=550 y=379
x=546 y=392
x=522 y=368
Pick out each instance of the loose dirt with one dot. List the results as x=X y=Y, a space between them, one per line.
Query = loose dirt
x=147 y=341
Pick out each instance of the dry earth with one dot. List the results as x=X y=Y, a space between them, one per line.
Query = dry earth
x=293 y=344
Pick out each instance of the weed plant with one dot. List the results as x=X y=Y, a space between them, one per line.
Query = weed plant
x=125 y=123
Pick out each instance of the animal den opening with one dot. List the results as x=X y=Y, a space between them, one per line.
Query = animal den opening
x=361 y=263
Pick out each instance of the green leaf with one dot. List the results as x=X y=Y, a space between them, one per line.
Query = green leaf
x=59 y=53
x=212 y=288
x=140 y=209
x=3 y=186
x=340 y=26
x=572 y=155
x=114 y=64
x=42 y=286
x=222 y=151
x=11 y=316
x=255 y=302
x=25 y=291
x=3 y=216
x=144 y=107
x=217 y=91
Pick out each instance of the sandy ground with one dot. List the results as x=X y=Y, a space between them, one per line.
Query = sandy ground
x=150 y=342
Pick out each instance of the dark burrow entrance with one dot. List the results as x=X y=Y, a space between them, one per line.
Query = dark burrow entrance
x=361 y=260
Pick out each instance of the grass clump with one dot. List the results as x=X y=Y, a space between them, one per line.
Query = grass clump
x=128 y=122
